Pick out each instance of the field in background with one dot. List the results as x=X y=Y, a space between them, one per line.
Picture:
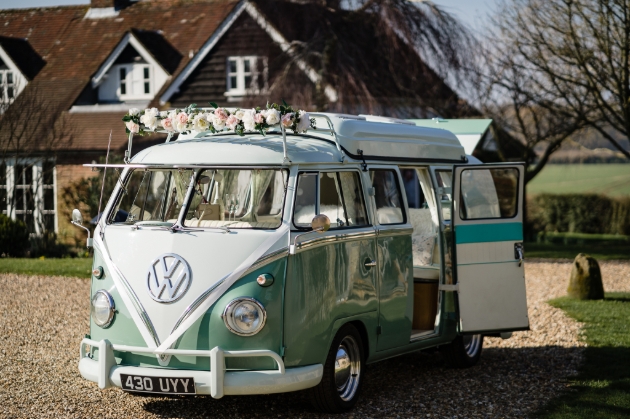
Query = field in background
x=608 y=179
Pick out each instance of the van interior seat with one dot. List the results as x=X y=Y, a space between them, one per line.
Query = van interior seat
x=423 y=238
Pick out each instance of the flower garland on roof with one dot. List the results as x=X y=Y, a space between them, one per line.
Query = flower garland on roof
x=240 y=121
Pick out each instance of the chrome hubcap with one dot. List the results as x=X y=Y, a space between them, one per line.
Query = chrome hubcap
x=472 y=344
x=347 y=368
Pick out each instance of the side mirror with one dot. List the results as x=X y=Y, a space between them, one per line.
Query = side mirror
x=77 y=220
x=319 y=224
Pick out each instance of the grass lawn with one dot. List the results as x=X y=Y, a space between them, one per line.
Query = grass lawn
x=607 y=179
x=602 y=388
x=79 y=267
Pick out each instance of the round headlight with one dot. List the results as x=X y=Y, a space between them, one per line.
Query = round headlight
x=244 y=316
x=102 y=308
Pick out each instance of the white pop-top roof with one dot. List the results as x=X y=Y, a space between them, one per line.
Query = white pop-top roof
x=378 y=138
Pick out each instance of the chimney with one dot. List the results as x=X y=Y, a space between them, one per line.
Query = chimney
x=102 y=9
x=98 y=4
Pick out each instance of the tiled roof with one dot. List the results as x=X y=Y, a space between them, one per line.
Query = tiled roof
x=74 y=48
x=23 y=55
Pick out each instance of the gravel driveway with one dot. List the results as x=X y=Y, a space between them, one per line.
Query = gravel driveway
x=42 y=320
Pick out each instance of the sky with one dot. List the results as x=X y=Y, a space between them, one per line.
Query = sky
x=472 y=12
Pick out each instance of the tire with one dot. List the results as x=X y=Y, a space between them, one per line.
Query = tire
x=463 y=351
x=341 y=383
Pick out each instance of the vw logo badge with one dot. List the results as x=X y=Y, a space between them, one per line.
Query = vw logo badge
x=168 y=278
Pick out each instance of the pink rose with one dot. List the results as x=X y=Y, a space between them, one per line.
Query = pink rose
x=221 y=114
x=231 y=122
x=182 y=118
x=167 y=124
x=287 y=120
x=259 y=118
x=132 y=126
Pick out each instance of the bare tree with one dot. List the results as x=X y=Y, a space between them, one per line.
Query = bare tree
x=32 y=132
x=556 y=67
x=385 y=56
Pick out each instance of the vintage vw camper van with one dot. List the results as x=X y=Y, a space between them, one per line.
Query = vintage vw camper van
x=229 y=264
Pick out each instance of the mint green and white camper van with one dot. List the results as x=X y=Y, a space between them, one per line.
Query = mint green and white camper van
x=268 y=261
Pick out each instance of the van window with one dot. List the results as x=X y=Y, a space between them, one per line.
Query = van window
x=338 y=195
x=389 y=208
x=488 y=193
x=251 y=198
x=152 y=195
x=445 y=181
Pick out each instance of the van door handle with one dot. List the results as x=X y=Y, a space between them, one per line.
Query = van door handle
x=370 y=264
x=518 y=253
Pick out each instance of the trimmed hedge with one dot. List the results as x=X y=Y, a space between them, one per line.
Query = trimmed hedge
x=13 y=237
x=579 y=213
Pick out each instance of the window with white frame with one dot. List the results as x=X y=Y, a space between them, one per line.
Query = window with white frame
x=246 y=75
x=7 y=85
x=134 y=81
x=27 y=193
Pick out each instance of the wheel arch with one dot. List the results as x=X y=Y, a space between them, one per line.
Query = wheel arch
x=364 y=323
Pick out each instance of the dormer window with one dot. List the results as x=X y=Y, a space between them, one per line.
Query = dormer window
x=134 y=81
x=7 y=85
x=246 y=75
x=133 y=73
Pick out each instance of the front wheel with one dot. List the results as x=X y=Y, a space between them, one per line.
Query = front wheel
x=343 y=373
x=463 y=351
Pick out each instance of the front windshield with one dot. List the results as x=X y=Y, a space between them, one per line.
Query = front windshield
x=152 y=196
x=237 y=198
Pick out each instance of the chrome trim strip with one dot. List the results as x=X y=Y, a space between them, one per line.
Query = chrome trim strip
x=193 y=306
x=137 y=304
x=134 y=298
x=399 y=231
x=269 y=258
x=320 y=241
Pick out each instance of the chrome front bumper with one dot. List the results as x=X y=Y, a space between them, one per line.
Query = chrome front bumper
x=217 y=382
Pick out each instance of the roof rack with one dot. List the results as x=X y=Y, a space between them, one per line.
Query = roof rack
x=331 y=129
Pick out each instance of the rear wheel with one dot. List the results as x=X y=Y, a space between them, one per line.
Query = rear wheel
x=343 y=373
x=463 y=351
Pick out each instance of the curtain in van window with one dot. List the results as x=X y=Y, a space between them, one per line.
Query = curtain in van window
x=259 y=184
x=429 y=196
x=353 y=199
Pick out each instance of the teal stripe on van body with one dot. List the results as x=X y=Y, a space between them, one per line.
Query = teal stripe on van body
x=483 y=233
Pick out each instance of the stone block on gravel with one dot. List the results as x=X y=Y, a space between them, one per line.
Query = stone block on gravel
x=586 y=279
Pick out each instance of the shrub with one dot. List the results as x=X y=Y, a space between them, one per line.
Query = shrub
x=579 y=213
x=13 y=237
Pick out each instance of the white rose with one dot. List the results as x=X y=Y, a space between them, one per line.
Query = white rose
x=164 y=114
x=273 y=116
x=150 y=121
x=305 y=122
x=239 y=114
x=180 y=127
x=248 y=119
x=200 y=122
x=134 y=111
x=152 y=112
x=218 y=123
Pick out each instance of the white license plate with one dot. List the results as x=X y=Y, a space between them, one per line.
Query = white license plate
x=159 y=385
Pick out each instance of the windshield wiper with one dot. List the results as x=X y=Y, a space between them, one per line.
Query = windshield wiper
x=177 y=227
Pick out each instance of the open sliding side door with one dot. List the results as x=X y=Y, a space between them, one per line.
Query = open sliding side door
x=487 y=219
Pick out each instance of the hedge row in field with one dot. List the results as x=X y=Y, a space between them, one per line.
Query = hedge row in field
x=579 y=213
